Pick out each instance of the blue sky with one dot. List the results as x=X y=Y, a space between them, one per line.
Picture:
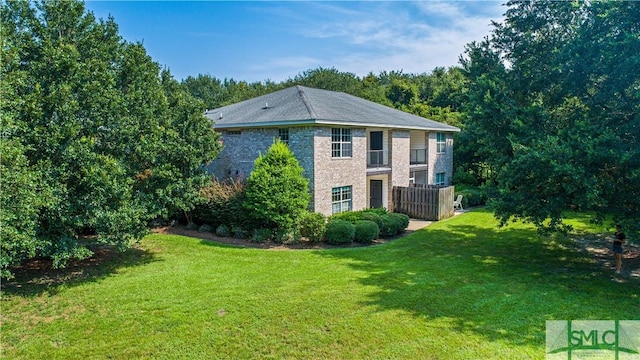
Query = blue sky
x=257 y=41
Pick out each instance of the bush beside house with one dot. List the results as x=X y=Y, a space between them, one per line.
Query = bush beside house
x=277 y=194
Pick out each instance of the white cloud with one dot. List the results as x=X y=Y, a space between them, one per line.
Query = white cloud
x=413 y=37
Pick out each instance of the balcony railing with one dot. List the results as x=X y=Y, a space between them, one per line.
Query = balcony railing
x=377 y=158
x=418 y=156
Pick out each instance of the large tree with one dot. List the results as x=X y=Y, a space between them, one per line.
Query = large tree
x=554 y=110
x=91 y=125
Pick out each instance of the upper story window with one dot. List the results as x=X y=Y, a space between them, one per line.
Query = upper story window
x=340 y=142
x=440 y=179
x=283 y=135
x=441 y=142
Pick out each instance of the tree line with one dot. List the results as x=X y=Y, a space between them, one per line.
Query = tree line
x=97 y=139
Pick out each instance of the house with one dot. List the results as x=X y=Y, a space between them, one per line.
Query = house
x=353 y=151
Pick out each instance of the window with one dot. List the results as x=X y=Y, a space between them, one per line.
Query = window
x=234 y=132
x=283 y=135
x=440 y=179
x=441 y=142
x=340 y=199
x=340 y=142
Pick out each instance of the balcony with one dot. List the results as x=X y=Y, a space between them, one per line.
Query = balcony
x=377 y=158
x=418 y=157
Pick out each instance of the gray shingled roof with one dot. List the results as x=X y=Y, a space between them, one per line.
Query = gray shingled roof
x=299 y=105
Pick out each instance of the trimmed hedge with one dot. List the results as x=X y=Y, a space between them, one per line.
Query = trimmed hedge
x=403 y=219
x=393 y=224
x=366 y=231
x=389 y=224
x=340 y=232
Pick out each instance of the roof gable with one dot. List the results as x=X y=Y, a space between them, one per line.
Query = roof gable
x=299 y=105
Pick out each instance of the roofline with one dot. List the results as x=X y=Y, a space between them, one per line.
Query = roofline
x=270 y=124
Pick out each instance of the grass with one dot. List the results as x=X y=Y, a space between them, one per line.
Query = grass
x=459 y=289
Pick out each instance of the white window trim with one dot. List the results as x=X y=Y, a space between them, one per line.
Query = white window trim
x=441 y=146
x=346 y=198
x=341 y=142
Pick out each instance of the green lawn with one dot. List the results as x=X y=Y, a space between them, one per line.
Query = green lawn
x=459 y=289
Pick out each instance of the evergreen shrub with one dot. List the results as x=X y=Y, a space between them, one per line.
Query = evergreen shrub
x=366 y=231
x=313 y=226
x=340 y=232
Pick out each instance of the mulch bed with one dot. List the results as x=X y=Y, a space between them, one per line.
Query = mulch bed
x=303 y=244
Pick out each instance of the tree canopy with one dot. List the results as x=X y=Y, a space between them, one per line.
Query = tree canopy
x=554 y=109
x=96 y=138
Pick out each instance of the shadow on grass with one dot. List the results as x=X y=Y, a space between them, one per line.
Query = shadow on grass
x=37 y=276
x=502 y=284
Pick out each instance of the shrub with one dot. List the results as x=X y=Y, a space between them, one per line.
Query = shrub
x=389 y=224
x=239 y=232
x=192 y=226
x=222 y=203
x=403 y=220
x=313 y=226
x=366 y=231
x=372 y=216
x=287 y=236
x=277 y=194
x=350 y=216
x=393 y=224
x=223 y=231
x=205 y=228
x=262 y=235
x=340 y=232
x=379 y=211
x=368 y=214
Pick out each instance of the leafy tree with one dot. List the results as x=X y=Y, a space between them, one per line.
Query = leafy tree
x=206 y=88
x=328 y=79
x=277 y=194
x=22 y=191
x=402 y=92
x=373 y=90
x=553 y=108
x=216 y=93
x=116 y=142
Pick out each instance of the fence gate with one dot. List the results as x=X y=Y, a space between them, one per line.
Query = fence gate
x=426 y=202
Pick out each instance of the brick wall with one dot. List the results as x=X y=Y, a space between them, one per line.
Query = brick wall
x=337 y=172
x=400 y=151
x=240 y=151
x=312 y=148
x=439 y=163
